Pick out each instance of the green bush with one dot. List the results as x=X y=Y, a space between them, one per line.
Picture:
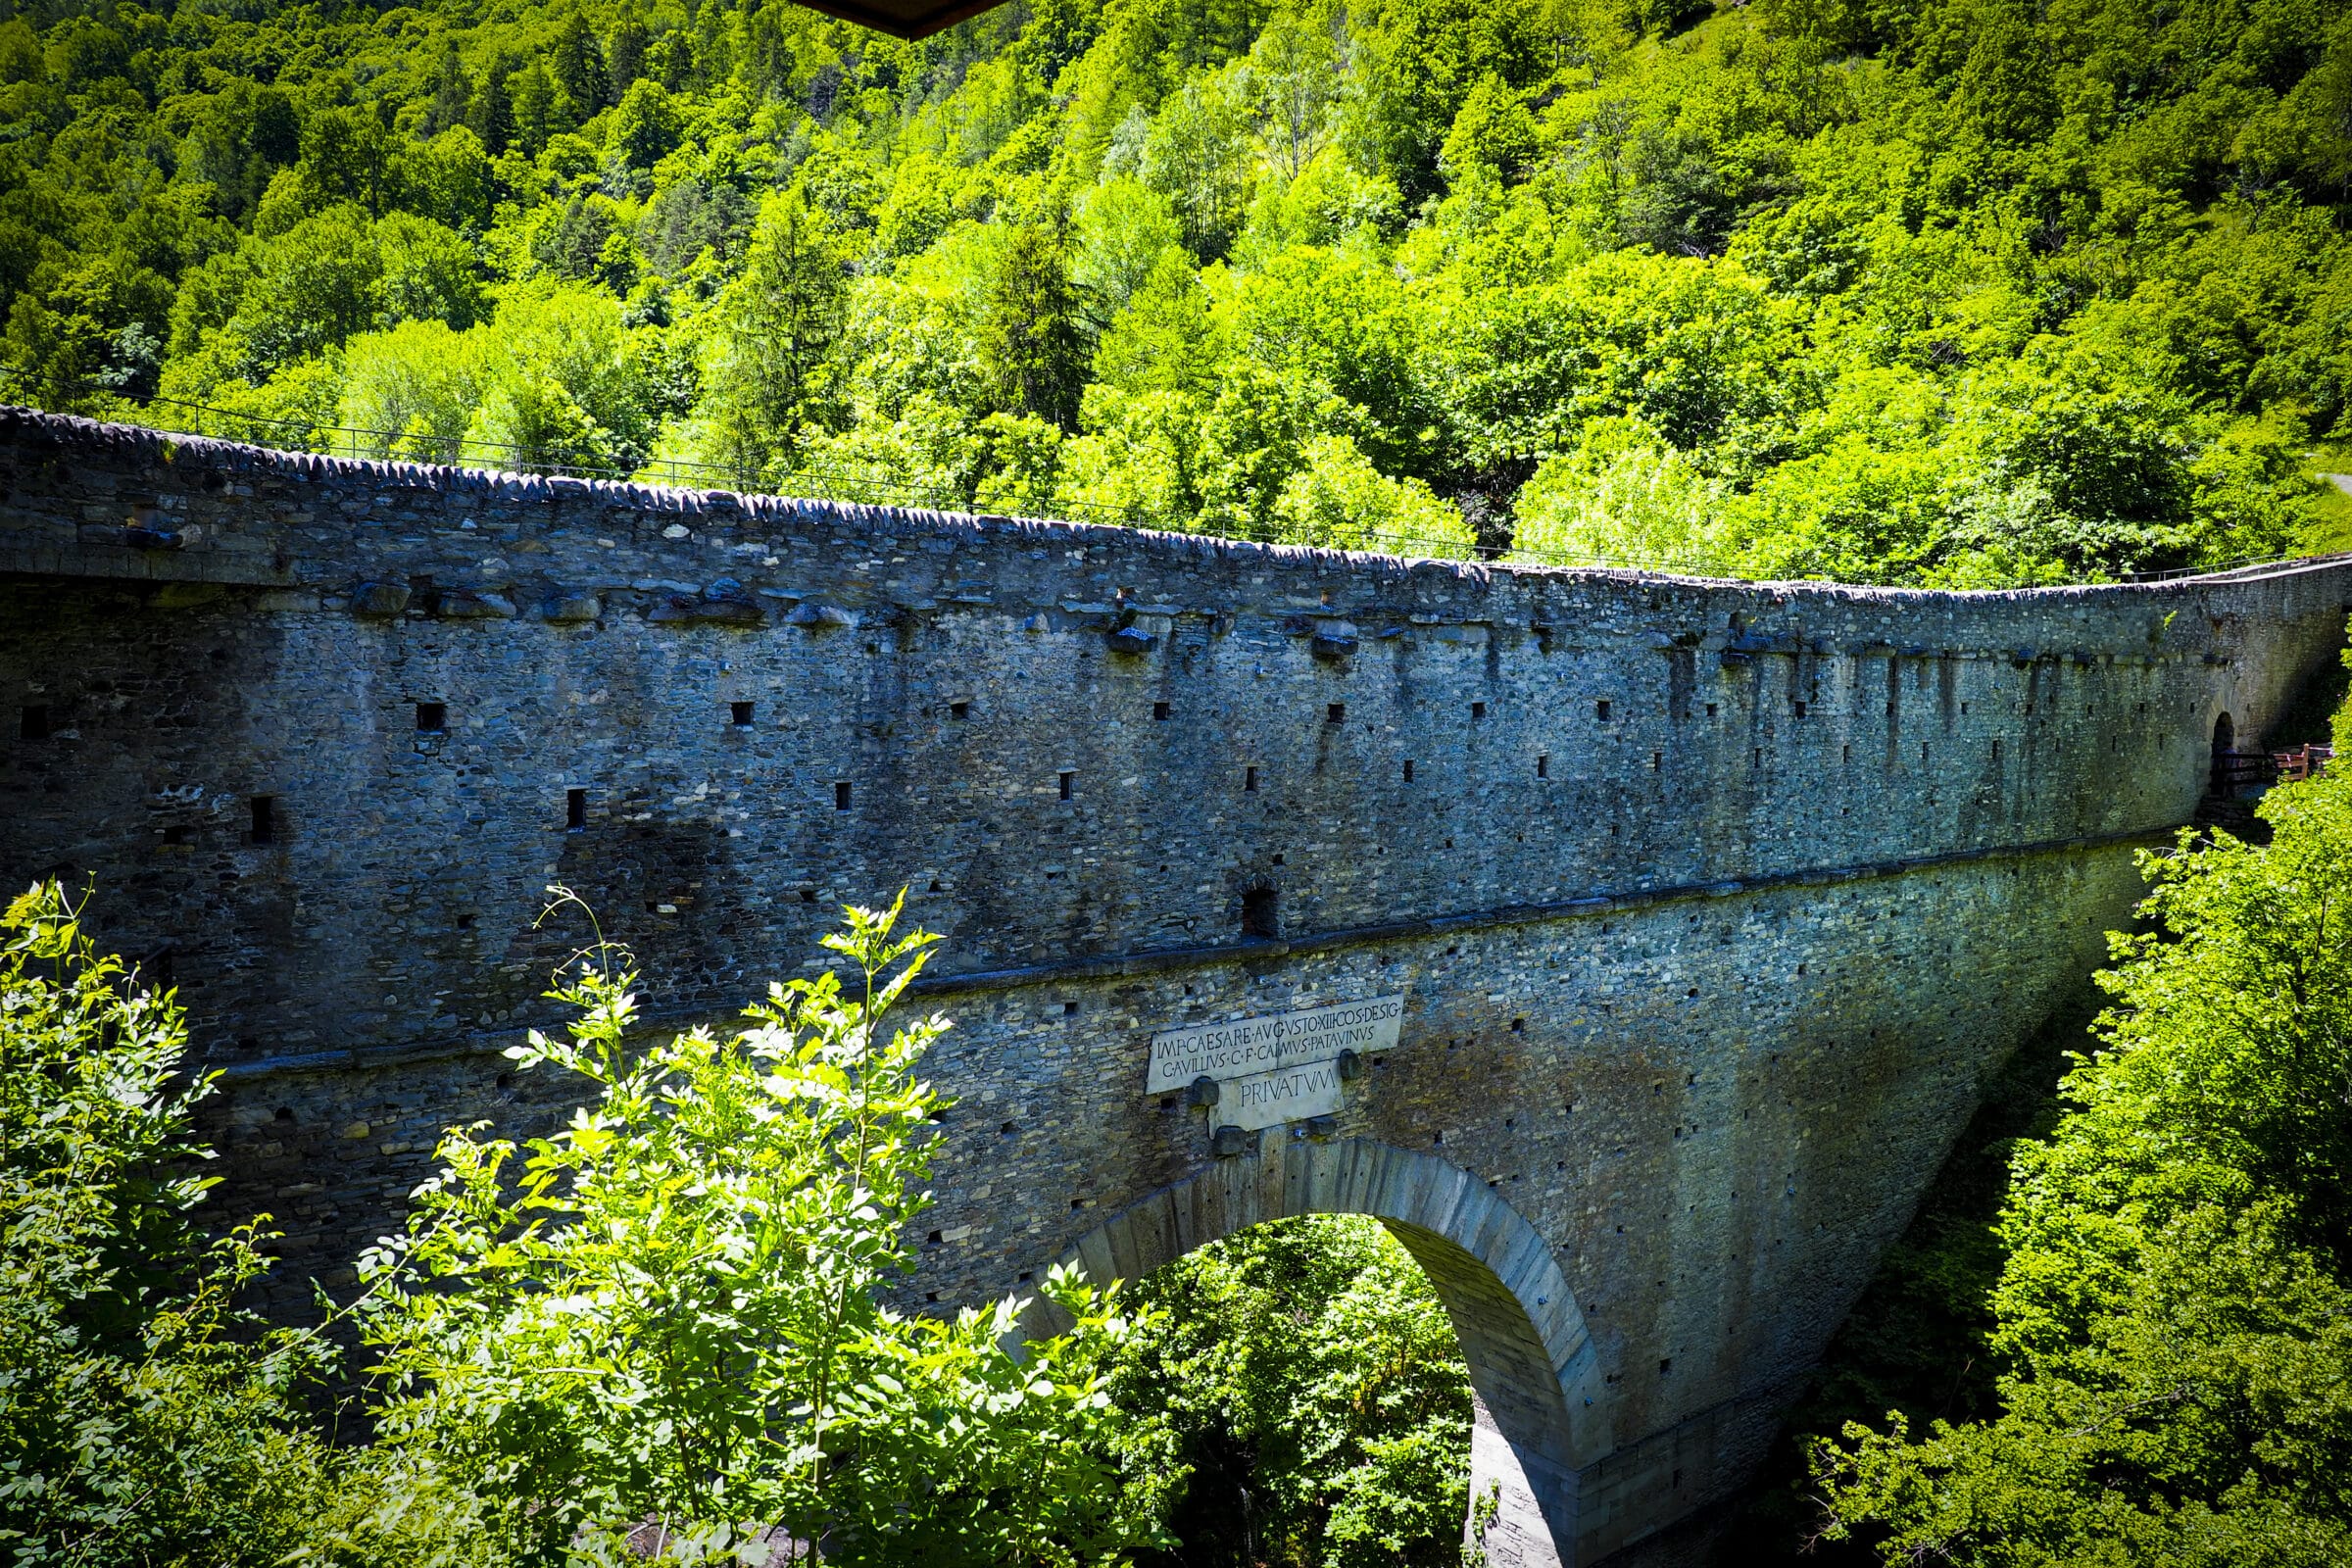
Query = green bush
x=671 y=1309
x=2173 y=1318
x=1307 y=1397
x=143 y=1419
x=669 y=1313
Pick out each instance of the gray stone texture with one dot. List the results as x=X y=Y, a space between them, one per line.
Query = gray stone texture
x=1713 y=904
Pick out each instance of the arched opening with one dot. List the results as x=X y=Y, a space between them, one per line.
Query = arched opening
x=1540 y=1413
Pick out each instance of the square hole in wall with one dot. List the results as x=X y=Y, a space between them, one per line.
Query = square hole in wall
x=960 y=710
x=264 y=819
x=841 y=796
x=1160 y=711
x=432 y=718
x=1800 y=709
x=1710 y=709
x=1069 y=782
x=1408 y=772
x=32 y=724
x=740 y=714
x=1600 y=711
x=1069 y=1009
x=1477 y=709
x=1335 y=713
x=1543 y=765
x=1249 y=778
x=576 y=810
x=1261 y=916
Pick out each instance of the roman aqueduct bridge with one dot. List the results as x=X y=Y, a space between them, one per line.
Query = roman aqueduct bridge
x=1673 y=925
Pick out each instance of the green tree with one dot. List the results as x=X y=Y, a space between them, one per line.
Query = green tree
x=1196 y=154
x=1306 y=1393
x=2173 y=1319
x=772 y=374
x=1295 y=81
x=671 y=1309
x=1032 y=351
x=577 y=65
x=429 y=272
x=645 y=127
x=143 y=1419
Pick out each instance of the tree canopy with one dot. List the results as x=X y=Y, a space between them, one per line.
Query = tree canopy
x=1968 y=292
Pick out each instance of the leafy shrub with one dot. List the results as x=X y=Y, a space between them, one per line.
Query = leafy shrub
x=1307 y=1398
x=143 y=1419
x=2174 y=1319
x=670 y=1310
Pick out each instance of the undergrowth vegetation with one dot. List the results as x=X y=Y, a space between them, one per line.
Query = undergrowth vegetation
x=661 y=1328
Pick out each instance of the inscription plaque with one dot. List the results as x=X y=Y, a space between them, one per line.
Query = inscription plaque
x=1287 y=1094
x=1247 y=1048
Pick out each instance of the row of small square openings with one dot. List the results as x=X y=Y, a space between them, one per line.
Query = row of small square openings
x=34 y=721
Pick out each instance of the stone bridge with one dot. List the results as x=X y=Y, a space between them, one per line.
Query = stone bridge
x=1668 y=928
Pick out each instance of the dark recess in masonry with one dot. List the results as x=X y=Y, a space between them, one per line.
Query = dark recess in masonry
x=1249 y=778
x=960 y=710
x=1600 y=711
x=1335 y=713
x=33 y=723
x=841 y=796
x=1160 y=711
x=1260 y=918
x=740 y=714
x=1543 y=765
x=264 y=819
x=576 y=810
x=1070 y=781
x=1477 y=709
x=432 y=718
x=1408 y=772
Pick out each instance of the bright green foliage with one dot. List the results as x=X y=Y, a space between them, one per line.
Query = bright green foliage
x=1307 y=1390
x=1962 y=293
x=2174 y=1317
x=143 y=1420
x=669 y=1309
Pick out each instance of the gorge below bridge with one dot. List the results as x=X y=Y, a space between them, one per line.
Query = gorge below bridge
x=1634 y=947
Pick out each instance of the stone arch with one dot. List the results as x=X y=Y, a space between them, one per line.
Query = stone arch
x=1540 y=1414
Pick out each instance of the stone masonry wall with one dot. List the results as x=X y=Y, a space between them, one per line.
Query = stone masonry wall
x=1713 y=903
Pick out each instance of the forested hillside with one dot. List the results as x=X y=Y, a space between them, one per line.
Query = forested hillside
x=1961 y=292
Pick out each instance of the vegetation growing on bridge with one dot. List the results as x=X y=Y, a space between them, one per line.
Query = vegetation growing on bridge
x=1962 y=292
